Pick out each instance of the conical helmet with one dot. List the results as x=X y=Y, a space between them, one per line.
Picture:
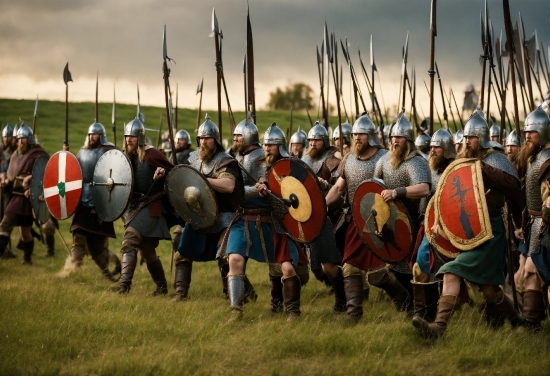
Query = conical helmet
x=538 y=121
x=25 y=131
x=459 y=136
x=364 y=125
x=476 y=126
x=135 y=128
x=7 y=131
x=299 y=137
x=249 y=131
x=512 y=139
x=100 y=130
x=319 y=132
x=402 y=127
x=182 y=133
x=275 y=136
x=444 y=139
x=209 y=129
x=346 y=133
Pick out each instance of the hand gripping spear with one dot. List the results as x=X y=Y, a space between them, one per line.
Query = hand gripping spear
x=67 y=78
x=166 y=72
x=431 y=72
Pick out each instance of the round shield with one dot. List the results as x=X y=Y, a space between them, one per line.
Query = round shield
x=191 y=196
x=294 y=182
x=385 y=227
x=62 y=184
x=37 y=191
x=112 y=185
x=440 y=244
x=461 y=206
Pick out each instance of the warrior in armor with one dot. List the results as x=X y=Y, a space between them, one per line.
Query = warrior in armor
x=422 y=143
x=512 y=148
x=325 y=257
x=224 y=175
x=298 y=143
x=484 y=265
x=459 y=140
x=534 y=159
x=494 y=131
x=183 y=146
x=253 y=234
x=145 y=219
x=356 y=167
x=8 y=146
x=406 y=175
x=346 y=137
x=425 y=287
x=18 y=177
x=89 y=233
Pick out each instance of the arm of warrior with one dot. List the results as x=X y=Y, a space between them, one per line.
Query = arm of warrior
x=224 y=184
x=336 y=192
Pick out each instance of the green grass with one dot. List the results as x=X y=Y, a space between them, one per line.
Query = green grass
x=76 y=325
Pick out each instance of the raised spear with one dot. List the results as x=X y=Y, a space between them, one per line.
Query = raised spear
x=321 y=70
x=159 y=135
x=431 y=72
x=445 y=115
x=510 y=48
x=67 y=78
x=436 y=111
x=199 y=113
x=216 y=33
x=166 y=76
x=113 y=114
x=250 y=92
x=457 y=110
x=35 y=116
x=341 y=94
x=176 y=115
x=96 y=97
x=334 y=49
x=404 y=68
x=229 y=110
x=245 y=85
x=484 y=57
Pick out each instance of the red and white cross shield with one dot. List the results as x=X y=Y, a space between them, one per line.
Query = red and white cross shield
x=62 y=184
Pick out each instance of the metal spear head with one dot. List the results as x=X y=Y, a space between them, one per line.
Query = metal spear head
x=215 y=28
x=67 y=74
x=36 y=107
x=199 y=87
x=326 y=43
x=433 y=18
x=486 y=23
x=164 y=48
x=372 y=64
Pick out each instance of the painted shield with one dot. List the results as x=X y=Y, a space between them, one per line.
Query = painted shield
x=295 y=184
x=440 y=244
x=37 y=190
x=191 y=196
x=62 y=184
x=112 y=185
x=461 y=206
x=385 y=227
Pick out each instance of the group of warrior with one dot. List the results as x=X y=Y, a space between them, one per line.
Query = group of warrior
x=427 y=285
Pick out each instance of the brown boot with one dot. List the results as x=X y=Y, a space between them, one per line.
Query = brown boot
x=27 y=248
x=447 y=306
x=182 y=280
x=533 y=309
x=353 y=287
x=157 y=273
x=223 y=264
x=398 y=294
x=250 y=293
x=339 y=292
x=102 y=261
x=129 y=264
x=507 y=310
x=291 y=296
x=425 y=296
x=50 y=245
x=276 y=293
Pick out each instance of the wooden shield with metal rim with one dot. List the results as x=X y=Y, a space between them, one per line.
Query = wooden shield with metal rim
x=62 y=184
x=295 y=183
x=385 y=227
x=112 y=185
x=439 y=243
x=461 y=206
x=37 y=190
x=191 y=196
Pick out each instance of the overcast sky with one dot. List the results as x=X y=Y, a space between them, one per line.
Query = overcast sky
x=122 y=40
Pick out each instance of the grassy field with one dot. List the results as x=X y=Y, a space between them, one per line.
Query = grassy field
x=76 y=325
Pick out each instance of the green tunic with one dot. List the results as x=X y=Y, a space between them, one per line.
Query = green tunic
x=484 y=265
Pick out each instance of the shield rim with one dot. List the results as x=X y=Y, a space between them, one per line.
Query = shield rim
x=185 y=215
x=359 y=230
x=486 y=232
x=34 y=200
x=287 y=217
x=81 y=178
x=434 y=240
x=111 y=151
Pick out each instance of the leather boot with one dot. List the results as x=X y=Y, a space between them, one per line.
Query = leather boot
x=398 y=294
x=533 y=309
x=157 y=273
x=129 y=263
x=224 y=270
x=182 y=280
x=236 y=290
x=276 y=294
x=425 y=296
x=5 y=252
x=50 y=245
x=27 y=248
x=102 y=261
x=339 y=292
x=291 y=296
x=113 y=258
x=353 y=287
x=250 y=293
x=507 y=310
x=447 y=306
x=431 y=292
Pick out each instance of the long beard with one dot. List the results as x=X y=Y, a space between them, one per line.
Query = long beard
x=438 y=162
x=513 y=157
x=237 y=148
x=130 y=150
x=526 y=153
x=314 y=153
x=92 y=144
x=22 y=149
x=271 y=159
x=359 y=148
x=469 y=152
x=206 y=154
x=398 y=154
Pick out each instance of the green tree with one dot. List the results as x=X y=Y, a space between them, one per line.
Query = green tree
x=296 y=96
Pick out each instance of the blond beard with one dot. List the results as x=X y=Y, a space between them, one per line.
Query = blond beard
x=398 y=154
x=271 y=159
x=438 y=162
x=22 y=149
x=237 y=148
x=359 y=148
x=206 y=154
x=469 y=152
x=130 y=151
x=526 y=153
x=315 y=153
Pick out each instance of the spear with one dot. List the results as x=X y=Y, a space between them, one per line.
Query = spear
x=445 y=116
x=457 y=110
x=67 y=78
x=35 y=116
x=321 y=70
x=484 y=57
x=527 y=73
x=341 y=94
x=328 y=51
x=216 y=33
x=433 y=32
x=356 y=88
x=308 y=116
x=337 y=83
x=245 y=88
x=436 y=110
x=199 y=113
x=451 y=110
x=229 y=110
x=176 y=116
x=166 y=76
x=113 y=114
x=404 y=68
x=544 y=66
x=250 y=92
x=370 y=85
x=159 y=136
x=290 y=124
x=96 y=98
x=510 y=47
